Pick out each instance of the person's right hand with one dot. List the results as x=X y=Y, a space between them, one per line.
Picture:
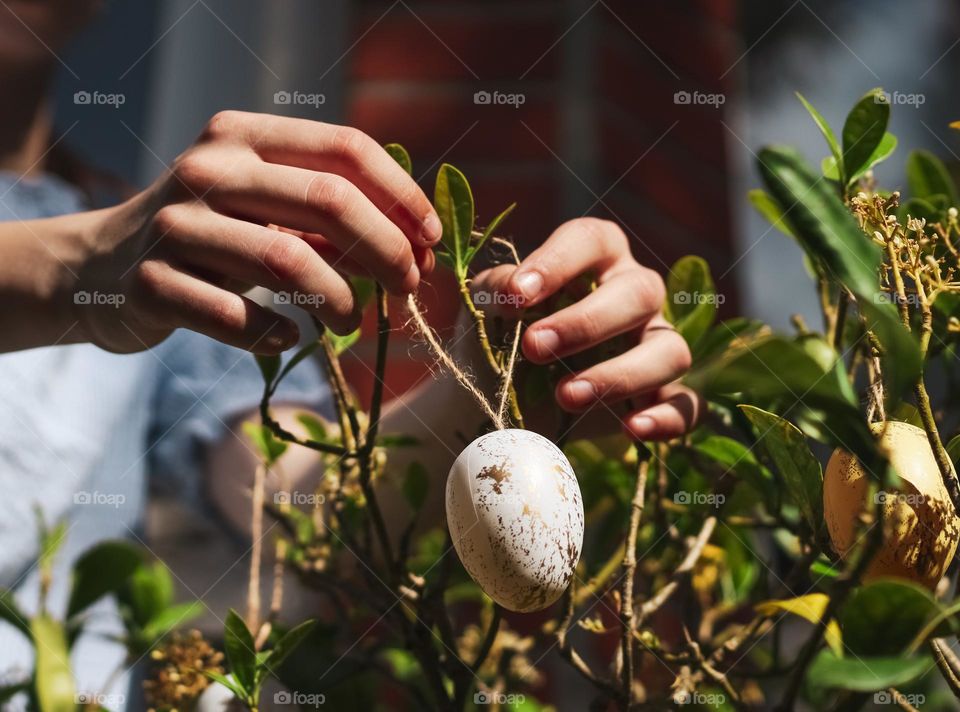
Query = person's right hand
x=288 y=204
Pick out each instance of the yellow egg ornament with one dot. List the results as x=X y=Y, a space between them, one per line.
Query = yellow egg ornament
x=920 y=526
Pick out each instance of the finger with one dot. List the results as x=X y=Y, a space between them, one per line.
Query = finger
x=491 y=291
x=661 y=357
x=254 y=254
x=676 y=411
x=626 y=301
x=176 y=299
x=574 y=248
x=345 y=151
x=321 y=203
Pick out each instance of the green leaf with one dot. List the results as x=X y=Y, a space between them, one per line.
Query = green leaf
x=397 y=440
x=239 y=647
x=884 y=149
x=400 y=155
x=472 y=251
x=101 y=570
x=736 y=457
x=313 y=425
x=883 y=616
x=831 y=237
x=416 y=485
x=921 y=209
x=171 y=619
x=811 y=607
x=297 y=358
x=800 y=470
x=269 y=367
x=149 y=592
x=770 y=371
x=691 y=298
x=820 y=220
x=928 y=176
x=825 y=129
x=364 y=288
x=453 y=201
x=863 y=131
x=828 y=166
x=11 y=613
x=768 y=208
x=54 y=680
x=227 y=682
x=288 y=643
x=864 y=674
x=720 y=337
x=269 y=446
x=342 y=343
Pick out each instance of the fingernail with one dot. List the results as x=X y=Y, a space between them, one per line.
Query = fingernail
x=642 y=425
x=432 y=230
x=413 y=275
x=545 y=341
x=579 y=391
x=529 y=284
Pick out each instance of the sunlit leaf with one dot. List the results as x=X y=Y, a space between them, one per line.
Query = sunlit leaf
x=863 y=131
x=453 y=201
x=400 y=155
x=55 y=687
x=811 y=607
x=691 y=298
x=799 y=469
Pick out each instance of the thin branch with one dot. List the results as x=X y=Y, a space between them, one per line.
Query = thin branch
x=629 y=568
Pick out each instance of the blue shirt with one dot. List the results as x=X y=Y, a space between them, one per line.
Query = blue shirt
x=81 y=429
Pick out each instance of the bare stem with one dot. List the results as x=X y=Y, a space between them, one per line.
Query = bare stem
x=629 y=568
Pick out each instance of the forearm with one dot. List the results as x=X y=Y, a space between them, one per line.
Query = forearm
x=40 y=261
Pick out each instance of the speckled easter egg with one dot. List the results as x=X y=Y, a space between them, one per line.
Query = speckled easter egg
x=516 y=517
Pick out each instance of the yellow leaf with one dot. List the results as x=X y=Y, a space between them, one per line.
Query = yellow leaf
x=955 y=125
x=810 y=607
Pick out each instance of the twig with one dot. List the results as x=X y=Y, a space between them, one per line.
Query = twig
x=686 y=566
x=629 y=571
x=506 y=384
x=487 y=641
x=256 y=526
x=948 y=664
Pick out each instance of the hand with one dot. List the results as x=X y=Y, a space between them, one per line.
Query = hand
x=628 y=300
x=287 y=204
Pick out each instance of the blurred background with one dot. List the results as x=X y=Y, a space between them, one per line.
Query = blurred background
x=647 y=113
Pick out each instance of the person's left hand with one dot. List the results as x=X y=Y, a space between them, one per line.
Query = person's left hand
x=628 y=301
